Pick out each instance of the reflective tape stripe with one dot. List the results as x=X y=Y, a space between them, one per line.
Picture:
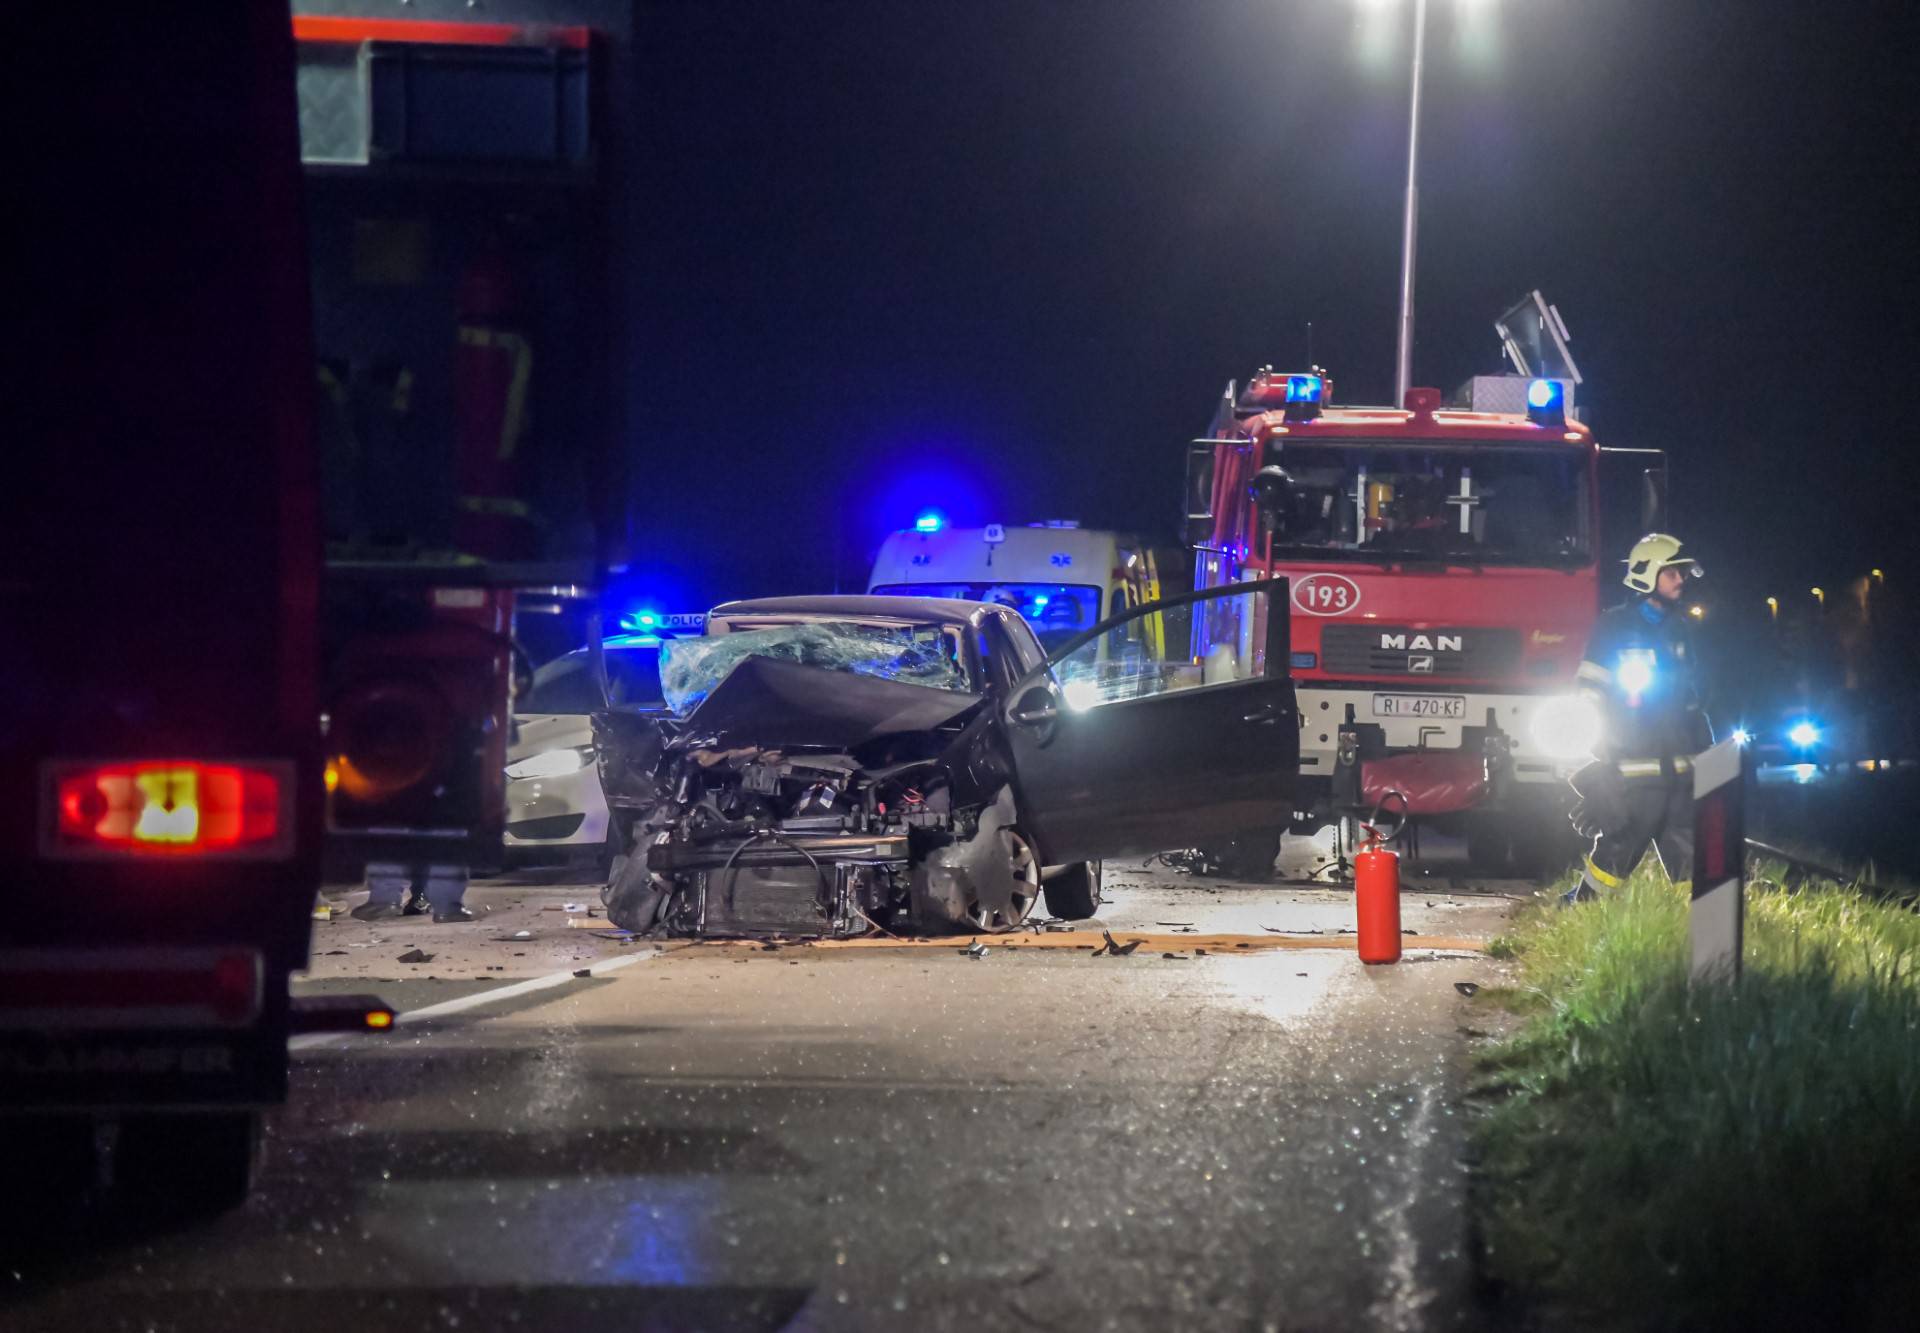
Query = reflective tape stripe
x=495 y=504
x=1605 y=880
x=1594 y=672
x=1651 y=768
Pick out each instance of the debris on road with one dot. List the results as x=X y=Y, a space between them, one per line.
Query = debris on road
x=975 y=949
x=1113 y=948
x=584 y=972
x=1468 y=988
x=415 y=956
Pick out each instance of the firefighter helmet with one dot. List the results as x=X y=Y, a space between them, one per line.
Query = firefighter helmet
x=1651 y=554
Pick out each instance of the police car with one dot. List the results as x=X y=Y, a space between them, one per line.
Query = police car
x=556 y=809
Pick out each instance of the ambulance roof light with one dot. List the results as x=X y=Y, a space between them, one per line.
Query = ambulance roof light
x=930 y=521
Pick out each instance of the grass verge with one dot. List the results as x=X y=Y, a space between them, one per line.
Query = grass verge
x=1744 y=1157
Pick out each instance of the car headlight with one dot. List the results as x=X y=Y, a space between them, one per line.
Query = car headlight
x=552 y=763
x=1566 y=726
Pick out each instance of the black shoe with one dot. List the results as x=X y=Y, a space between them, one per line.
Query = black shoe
x=375 y=911
x=451 y=914
x=417 y=905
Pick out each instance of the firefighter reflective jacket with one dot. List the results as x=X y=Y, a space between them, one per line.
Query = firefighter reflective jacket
x=1641 y=667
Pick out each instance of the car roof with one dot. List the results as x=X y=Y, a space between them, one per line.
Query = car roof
x=917 y=610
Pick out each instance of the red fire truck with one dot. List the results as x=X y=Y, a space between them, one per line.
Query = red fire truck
x=1445 y=566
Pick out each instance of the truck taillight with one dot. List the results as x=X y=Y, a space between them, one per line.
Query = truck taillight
x=147 y=808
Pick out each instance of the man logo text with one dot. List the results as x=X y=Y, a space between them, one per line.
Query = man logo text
x=1438 y=643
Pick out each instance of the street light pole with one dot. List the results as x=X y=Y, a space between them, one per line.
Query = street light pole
x=1403 y=362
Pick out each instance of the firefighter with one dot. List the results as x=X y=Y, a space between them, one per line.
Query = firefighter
x=1641 y=670
x=398 y=889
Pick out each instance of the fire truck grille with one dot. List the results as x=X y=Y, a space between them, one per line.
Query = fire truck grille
x=1395 y=650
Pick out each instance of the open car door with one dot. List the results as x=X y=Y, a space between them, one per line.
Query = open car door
x=1150 y=747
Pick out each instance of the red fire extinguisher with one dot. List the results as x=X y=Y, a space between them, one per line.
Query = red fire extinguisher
x=1376 y=898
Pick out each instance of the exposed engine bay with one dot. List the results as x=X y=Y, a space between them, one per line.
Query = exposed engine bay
x=802 y=798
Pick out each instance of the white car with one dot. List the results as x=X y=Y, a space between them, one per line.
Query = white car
x=555 y=807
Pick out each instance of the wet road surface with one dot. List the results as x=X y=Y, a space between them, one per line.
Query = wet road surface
x=731 y=1137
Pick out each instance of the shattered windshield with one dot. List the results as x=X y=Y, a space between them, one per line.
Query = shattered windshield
x=928 y=655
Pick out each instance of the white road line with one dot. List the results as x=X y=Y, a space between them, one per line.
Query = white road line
x=312 y=1039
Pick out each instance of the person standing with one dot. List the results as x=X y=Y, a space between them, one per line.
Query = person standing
x=1643 y=674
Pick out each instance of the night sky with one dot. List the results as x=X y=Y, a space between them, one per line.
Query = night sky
x=1003 y=257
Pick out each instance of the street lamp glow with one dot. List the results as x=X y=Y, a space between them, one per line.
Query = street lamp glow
x=1773 y=608
x=1820 y=595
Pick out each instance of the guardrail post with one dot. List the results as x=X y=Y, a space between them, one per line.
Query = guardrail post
x=1716 y=918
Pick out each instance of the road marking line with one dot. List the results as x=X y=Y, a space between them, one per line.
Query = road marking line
x=310 y=1040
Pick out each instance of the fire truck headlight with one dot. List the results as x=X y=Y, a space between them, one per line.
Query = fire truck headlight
x=552 y=763
x=1566 y=727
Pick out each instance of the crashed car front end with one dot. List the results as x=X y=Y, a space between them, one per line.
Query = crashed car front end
x=804 y=798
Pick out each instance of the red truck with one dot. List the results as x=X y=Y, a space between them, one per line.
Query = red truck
x=173 y=647
x=1446 y=569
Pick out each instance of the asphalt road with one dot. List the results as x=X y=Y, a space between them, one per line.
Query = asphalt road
x=1263 y=1135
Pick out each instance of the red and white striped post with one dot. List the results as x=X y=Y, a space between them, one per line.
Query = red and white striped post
x=1719 y=862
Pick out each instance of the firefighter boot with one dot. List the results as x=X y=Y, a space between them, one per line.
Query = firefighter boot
x=386 y=887
x=446 y=888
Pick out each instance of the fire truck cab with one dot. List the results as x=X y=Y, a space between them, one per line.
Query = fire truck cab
x=1444 y=572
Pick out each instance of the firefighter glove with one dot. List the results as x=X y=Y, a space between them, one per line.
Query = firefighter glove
x=1602 y=804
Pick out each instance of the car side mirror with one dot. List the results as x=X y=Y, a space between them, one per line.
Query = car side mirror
x=1034 y=708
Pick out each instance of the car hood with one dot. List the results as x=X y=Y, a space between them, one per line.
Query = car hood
x=535 y=733
x=780 y=705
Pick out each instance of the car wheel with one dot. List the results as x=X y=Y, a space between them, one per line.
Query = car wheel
x=634 y=897
x=1024 y=863
x=187 y=1165
x=1490 y=844
x=613 y=857
x=1074 y=892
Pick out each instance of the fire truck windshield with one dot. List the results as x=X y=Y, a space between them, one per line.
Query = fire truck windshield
x=1508 y=506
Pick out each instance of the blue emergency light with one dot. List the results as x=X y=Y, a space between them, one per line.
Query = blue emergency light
x=1804 y=734
x=1304 y=395
x=1547 y=402
x=930 y=521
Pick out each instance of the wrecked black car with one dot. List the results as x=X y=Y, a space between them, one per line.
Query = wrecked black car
x=833 y=766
